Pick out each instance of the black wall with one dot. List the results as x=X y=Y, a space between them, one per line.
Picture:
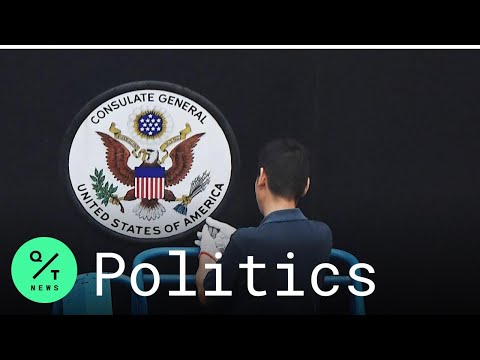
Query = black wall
x=394 y=137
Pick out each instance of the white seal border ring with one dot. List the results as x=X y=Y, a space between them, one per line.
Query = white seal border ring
x=148 y=85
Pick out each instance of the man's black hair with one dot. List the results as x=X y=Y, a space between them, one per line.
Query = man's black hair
x=287 y=165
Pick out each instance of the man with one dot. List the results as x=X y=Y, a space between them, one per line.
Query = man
x=283 y=178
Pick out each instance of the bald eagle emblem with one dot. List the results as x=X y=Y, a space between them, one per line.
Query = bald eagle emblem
x=149 y=180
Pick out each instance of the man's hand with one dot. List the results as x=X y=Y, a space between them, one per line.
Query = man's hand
x=216 y=230
x=206 y=242
x=222 y=233
x=213 y=238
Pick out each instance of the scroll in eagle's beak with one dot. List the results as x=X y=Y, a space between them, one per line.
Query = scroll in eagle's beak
x=149 y=153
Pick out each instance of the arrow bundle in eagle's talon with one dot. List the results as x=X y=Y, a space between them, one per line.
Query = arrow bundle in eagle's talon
x=198 y=185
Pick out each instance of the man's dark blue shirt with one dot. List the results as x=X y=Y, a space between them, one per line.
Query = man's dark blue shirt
x=280 y=232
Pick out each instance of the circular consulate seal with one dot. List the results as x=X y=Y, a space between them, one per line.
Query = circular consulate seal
x=150 y=160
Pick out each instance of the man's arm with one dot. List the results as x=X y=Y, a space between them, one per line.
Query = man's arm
x=206 y=280
x=201 y=274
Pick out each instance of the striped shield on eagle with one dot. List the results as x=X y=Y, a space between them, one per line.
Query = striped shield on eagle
x=149 y=182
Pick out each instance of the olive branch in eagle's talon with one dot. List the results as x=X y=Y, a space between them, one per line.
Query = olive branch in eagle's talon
x=105 y=191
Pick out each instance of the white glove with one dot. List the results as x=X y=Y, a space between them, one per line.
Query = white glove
x=221 y=232
x=218 y=231
x=207 y=243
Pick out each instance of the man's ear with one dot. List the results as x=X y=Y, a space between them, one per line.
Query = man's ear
x=262 y=178
x=307 y=187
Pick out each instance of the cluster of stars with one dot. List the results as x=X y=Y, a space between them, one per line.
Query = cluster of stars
x=150 y=124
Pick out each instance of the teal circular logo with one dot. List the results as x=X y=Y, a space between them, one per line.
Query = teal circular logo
x=44 y=270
